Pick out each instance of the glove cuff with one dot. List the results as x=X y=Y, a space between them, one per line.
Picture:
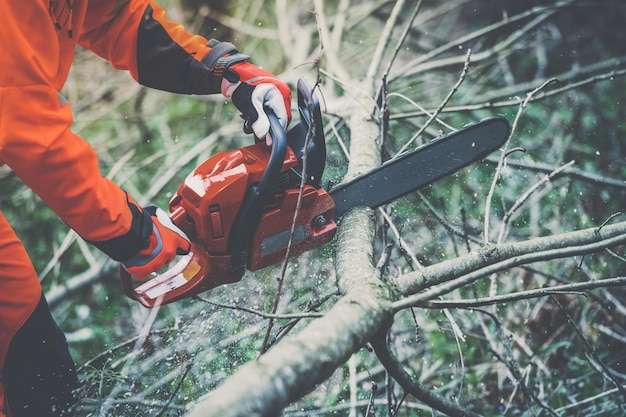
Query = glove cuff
x=221 y=56
x=136 y=239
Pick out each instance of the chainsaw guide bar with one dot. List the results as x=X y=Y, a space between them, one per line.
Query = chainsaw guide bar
x=421 y=167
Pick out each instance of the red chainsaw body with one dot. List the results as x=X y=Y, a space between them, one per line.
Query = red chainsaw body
x=208 y=201
x=206 y=206
x=315 y=226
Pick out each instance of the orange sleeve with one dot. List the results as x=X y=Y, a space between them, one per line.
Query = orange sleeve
x=35 y=136
x=136 y=35
x=62 y=168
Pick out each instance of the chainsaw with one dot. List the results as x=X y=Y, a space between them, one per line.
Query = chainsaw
x=238 y=207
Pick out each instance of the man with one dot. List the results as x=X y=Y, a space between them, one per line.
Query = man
x=37 y=41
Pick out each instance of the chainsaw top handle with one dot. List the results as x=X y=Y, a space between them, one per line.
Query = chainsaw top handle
x=277 y=156
x=249 y=215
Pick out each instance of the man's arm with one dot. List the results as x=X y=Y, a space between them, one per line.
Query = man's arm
x=136 y=35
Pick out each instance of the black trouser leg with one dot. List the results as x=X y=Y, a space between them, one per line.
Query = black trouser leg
x=39 y=374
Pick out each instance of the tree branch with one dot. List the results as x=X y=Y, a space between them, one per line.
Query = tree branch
x=449 y=275
x=525 y=295
x=419 y=391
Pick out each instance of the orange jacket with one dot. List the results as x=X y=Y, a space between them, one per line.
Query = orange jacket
x=37 y=49
x=37 y=41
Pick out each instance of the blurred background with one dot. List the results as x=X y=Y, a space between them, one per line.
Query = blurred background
x=135 y=361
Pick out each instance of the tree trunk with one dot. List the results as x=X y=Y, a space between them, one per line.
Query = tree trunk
x=298 y=363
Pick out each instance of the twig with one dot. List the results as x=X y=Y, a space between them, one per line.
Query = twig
x=422 y=109
x=442 y=105
x=490 y=104
x=616 y=256
x=493 y=284
x=415 y=263
x=512 y=365
x=608 y=220
x=370 y=405
x=594 y=359
x=428 y=57
x=419 y=391
x=587 y=400
x=334 y=64
x=312 y=306
x=458 y=337
x=570 y=172
x=403 y=36
x=340 y=141
x=383 y=41
x=611 y=217
x=309 y=136
x=524 y=197
x=123 y=345
x=166 y=407
x=271 y=316
x=446 y=225
x=496 y=175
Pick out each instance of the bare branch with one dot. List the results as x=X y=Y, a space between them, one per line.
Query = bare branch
x=419 y=391
x=414 y=66
x=442 y=105
x=504 y=151
x=524 y=197
x=451 y=274
x=335 y=67
x=383 y=42
x=488 y=103
x=525 y=295
x=569 y=172
x=273 y=315
x=593 y=357
x=502 y=47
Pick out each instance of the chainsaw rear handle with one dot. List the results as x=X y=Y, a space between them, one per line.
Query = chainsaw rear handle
x=249 y=215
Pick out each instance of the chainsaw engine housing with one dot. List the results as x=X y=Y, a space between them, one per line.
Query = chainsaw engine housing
x=208 y=203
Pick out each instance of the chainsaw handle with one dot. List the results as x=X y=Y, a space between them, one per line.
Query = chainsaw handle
x=175 y=283
x=249 y=215
x=277 y=156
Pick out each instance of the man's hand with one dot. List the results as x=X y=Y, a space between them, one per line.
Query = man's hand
x=165 y=242
x=252 y=90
